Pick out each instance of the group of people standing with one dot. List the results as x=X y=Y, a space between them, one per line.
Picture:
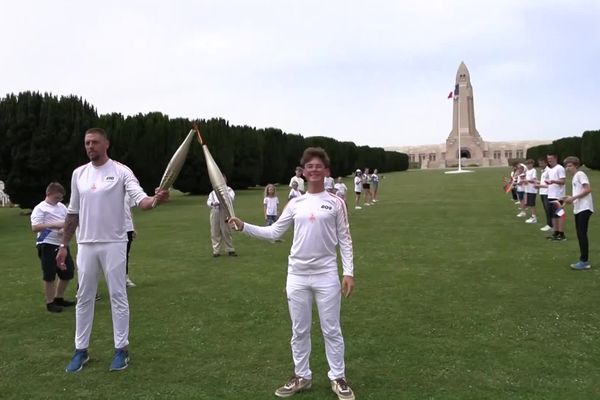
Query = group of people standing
x=525 y=186
x=317 y=210
x=102 y=192
x=47 y=221
x=367 y=183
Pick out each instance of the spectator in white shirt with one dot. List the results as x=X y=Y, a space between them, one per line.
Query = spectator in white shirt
x=583 y=208
x=375 y=184
x=298 y=179
x=521 y=175
x=270 y=204
x=329 y=183
x=357 y=188
x=220 y=232
x=341 y=189
x=543 y=191
x=47 y=219
x=294 y=192
x=556 y=191
x=530 y=190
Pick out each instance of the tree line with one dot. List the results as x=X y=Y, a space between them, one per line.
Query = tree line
x=41 y=140
x=585 y=147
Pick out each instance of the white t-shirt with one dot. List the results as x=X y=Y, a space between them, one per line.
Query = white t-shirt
x=128 y=218
x=341 y=189
x=97 y=195
x=357 y=184
x=586 y=202
x=375 y=179
x=271 y=203
x=521 y=180
x=329 y=183
x=530 y=175
x=213 y=200
x=320 y=223
x=556 y=191
x=300 y=182
x=543 y=178
x=45 y=213
x=294 y=193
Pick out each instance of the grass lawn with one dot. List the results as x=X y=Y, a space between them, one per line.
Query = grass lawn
x=456 y=299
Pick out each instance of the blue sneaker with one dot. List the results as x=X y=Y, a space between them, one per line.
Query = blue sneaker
x=581 y=265
x=79 y=359
x=120 y=360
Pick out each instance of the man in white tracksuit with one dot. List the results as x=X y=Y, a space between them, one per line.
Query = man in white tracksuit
x=96 y=207
x=320 y=221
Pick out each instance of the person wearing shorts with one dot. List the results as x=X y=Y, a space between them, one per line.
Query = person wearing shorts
x=47 y=219
x=530 y=190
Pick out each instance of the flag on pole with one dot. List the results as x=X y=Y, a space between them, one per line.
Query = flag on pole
x=450 y=95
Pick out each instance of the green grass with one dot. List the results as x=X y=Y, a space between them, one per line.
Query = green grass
x=456 y=299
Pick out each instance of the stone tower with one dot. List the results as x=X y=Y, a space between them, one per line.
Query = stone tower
x=463 y=123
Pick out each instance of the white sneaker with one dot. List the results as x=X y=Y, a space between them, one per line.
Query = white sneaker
x=546 y=228
x=367 y=204
x=129 y=283
x=375 y=201
x=521 y=214
x=532 y=220
x=293 y=386
x=517 y=202
x=358 y=208
x=341 y=388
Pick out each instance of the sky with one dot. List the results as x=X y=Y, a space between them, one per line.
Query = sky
x=377 y=73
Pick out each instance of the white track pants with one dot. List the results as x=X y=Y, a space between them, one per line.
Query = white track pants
x=220 y=232
x=325 y=288
x=93 y=258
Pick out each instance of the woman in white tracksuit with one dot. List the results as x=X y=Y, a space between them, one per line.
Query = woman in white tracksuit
x=320 y=221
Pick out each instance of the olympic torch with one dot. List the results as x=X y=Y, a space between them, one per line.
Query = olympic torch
x=217 y=180
x=174 y=167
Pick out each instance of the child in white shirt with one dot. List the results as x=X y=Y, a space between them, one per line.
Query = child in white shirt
x=270 y=204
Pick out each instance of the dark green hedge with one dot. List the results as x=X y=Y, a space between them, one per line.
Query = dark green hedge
x=590 y=149
x=541 y=151
x=41 y=140
x=565 y=147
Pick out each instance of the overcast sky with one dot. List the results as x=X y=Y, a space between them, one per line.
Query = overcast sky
x=372 y=72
